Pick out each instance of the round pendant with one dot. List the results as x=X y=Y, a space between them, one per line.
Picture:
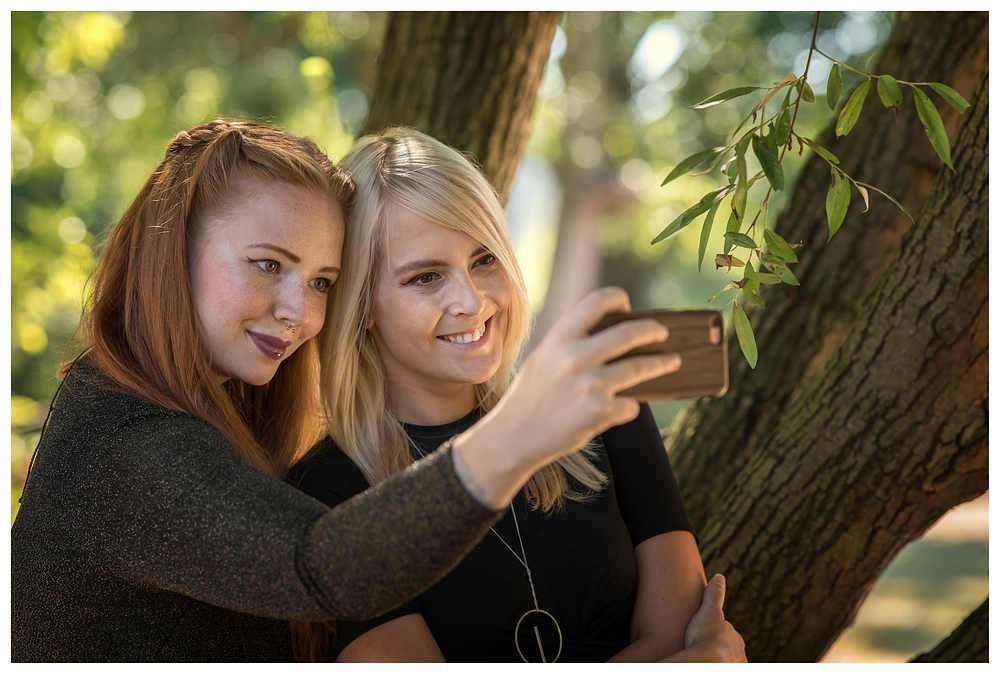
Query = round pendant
x=537 y=624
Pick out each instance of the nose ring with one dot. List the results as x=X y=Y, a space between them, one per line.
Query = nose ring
x=289 y=327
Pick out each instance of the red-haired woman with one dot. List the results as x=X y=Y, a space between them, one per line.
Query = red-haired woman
x=154 y=525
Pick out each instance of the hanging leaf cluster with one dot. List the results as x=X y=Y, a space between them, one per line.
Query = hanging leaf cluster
x=762 y=255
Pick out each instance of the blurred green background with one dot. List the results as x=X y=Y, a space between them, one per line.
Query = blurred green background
x=96 y=96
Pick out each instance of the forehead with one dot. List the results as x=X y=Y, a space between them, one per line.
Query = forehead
x=275 y=212
x=410 y=235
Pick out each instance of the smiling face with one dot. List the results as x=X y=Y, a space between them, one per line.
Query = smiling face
x=258 y=265
x=438 y=313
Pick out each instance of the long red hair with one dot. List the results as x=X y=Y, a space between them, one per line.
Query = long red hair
x=141 y=325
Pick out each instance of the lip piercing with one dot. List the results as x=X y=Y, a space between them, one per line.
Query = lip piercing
x=289 y=327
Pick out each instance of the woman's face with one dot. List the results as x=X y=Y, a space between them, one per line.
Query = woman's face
x=439 y=310
x=258 y=266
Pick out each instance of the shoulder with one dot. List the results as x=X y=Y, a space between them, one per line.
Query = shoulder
x=90 y=410
x=327 y=474
x=642 y=429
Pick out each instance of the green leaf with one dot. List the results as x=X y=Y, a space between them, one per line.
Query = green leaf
x=726 y=95
x=750 y=282
x=744 y=333
x=730 y=170
x=888 y=91
x=739 y=202
x=849 y=115
x=685 y=218
x=771 y=140
x=833 y=87
x=779 y=247
x=768 y=278
x=772 y=259
x=837 y=201
x=807 y=93
x=753 y=297
x=706 y=230
x=690 y=163
x=950 y=95
x=784 y=127
x=933 y=126
x=741 y=240
x=821 y=151
x=769 y=162
x=788 y=277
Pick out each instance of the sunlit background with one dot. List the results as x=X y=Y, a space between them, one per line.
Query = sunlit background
x=95 y=97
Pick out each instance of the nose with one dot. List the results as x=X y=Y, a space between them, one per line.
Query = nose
x=295 y=305
x=466 y=297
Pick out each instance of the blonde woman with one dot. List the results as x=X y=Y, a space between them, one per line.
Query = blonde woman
x=595 y=559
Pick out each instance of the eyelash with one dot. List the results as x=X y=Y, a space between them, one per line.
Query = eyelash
x=487 y=260
x=319 y=284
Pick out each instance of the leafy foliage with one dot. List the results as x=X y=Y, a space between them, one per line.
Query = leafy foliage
x=771 y=136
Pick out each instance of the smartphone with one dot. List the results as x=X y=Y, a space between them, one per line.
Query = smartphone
x=699 y=338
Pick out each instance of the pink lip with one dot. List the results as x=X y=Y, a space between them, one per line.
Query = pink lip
x=470 y=345
x=272 y=347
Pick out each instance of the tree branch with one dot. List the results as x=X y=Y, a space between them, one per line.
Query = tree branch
x=970 y=642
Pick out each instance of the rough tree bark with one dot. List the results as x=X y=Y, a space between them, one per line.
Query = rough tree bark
x=889 y=436
x=970 y=642
x=467 y=78
x=712 y=440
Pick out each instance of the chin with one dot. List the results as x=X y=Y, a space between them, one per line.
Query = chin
x=257 y=378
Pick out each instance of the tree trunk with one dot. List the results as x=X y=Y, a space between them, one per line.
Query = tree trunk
x=889 y=436
x=713 y=440
x=970 y=642
x=467 y=78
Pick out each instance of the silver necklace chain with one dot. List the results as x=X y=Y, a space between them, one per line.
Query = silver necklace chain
x=523 y=559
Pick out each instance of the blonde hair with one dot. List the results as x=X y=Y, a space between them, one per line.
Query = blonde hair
x=407 y=169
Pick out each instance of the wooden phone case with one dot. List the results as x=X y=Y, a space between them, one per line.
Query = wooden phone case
x=704 y=367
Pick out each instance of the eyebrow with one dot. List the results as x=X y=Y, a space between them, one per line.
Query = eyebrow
x=290 y=255
x=413 y=266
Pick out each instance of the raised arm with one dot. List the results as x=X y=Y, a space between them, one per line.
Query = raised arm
x=564 y=395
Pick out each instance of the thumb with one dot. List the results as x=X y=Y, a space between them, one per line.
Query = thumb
x=715 y=592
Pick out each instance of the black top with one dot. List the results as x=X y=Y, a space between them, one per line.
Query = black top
x=582 y=559
x=142 y=536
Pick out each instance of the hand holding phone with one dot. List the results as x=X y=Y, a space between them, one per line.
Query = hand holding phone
x=698 y=337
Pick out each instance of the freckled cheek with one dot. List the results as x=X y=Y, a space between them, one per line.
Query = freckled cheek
x=317 y=317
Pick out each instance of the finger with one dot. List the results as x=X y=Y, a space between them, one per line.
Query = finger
x=629 y=372
x=578 y=321
x=619 y=339
x=715 y=593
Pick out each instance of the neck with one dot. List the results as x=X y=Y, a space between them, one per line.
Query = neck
x=432 y=406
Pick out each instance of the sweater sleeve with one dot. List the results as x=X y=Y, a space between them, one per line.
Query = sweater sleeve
x=182 y=513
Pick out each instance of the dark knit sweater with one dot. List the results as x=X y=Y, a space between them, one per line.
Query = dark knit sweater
x=143 y=537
